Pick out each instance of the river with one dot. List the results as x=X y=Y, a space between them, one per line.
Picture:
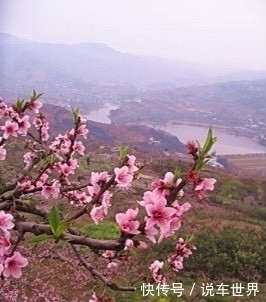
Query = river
x=102 y=115
x=226 y=143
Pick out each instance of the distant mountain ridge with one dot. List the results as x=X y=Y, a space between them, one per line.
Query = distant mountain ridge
x=88 y=62
x=36 y=62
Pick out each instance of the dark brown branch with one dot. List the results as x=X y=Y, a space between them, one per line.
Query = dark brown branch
x=95 y=199
x=39 y=141
x=20 y=237
x=99 y=276
x=172 y=196
x=21 y=191
x=23 y=207
x=25 y=171
x=31 y=209
x=4 y=205
x=95 y=244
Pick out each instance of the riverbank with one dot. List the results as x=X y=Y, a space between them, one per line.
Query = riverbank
x=230 y=140
x=238 y=131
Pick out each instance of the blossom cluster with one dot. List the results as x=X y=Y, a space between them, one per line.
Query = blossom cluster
x=58 y=158
x=17 y=122
x=162 y=218
x=10 y=262
x=182 y=250
x=50 y=168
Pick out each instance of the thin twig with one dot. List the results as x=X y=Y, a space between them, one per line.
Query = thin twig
x=99 y=276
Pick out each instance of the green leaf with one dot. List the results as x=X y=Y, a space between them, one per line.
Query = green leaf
x=209 y=142
x=39 y=95
x=199 y=165
x=205 y=161
x=61 y=228
x=190 y=238
x=54 y=219
x=123 y=151
x=75 y=114
x=177 y=173
x=20 y=105
x=38 y=238
x=35 y=95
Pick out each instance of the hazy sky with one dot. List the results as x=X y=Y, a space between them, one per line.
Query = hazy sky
x=213 y=32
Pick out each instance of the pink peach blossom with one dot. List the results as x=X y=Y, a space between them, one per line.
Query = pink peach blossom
x=52 y=190
x=176 y=263
x=66 y=169
x=168 y=179
x=37 y=122
x=73 y=163
x=129 y=244
x=93 y=190
x=127 y=221
x=162 y=186
x=156 y=266
x=79 y=147
x=99 y=177
x=180 y=209
x=97 y=214
x=44 y=134
x=10 y=128
x=111 y=265
x=150 y=233
x=123 y=177
x=204 y=185
x=23 y=124
x=65 y=145
x=42 y=180
x=181 y=192
x=159 y=215
x=35 y=106
x=27 y=157
x=131 y=159
x=106 y=201
x=174 y=225
x=13 y=265
x=141 y=244
x=4 y=243
x=6 y=221
x=83 y=198
x=26 y=185
x=192 y=147
x=108 y=254
x=94 y=298
x=149 y=198
x=83 y=131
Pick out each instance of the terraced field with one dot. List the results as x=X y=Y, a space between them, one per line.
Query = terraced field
x=253 y=163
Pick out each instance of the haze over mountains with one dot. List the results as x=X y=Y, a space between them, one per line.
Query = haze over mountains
x=25 y=62
x=147 y=90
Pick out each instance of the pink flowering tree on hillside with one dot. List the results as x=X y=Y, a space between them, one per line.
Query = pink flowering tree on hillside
x=50 y=167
